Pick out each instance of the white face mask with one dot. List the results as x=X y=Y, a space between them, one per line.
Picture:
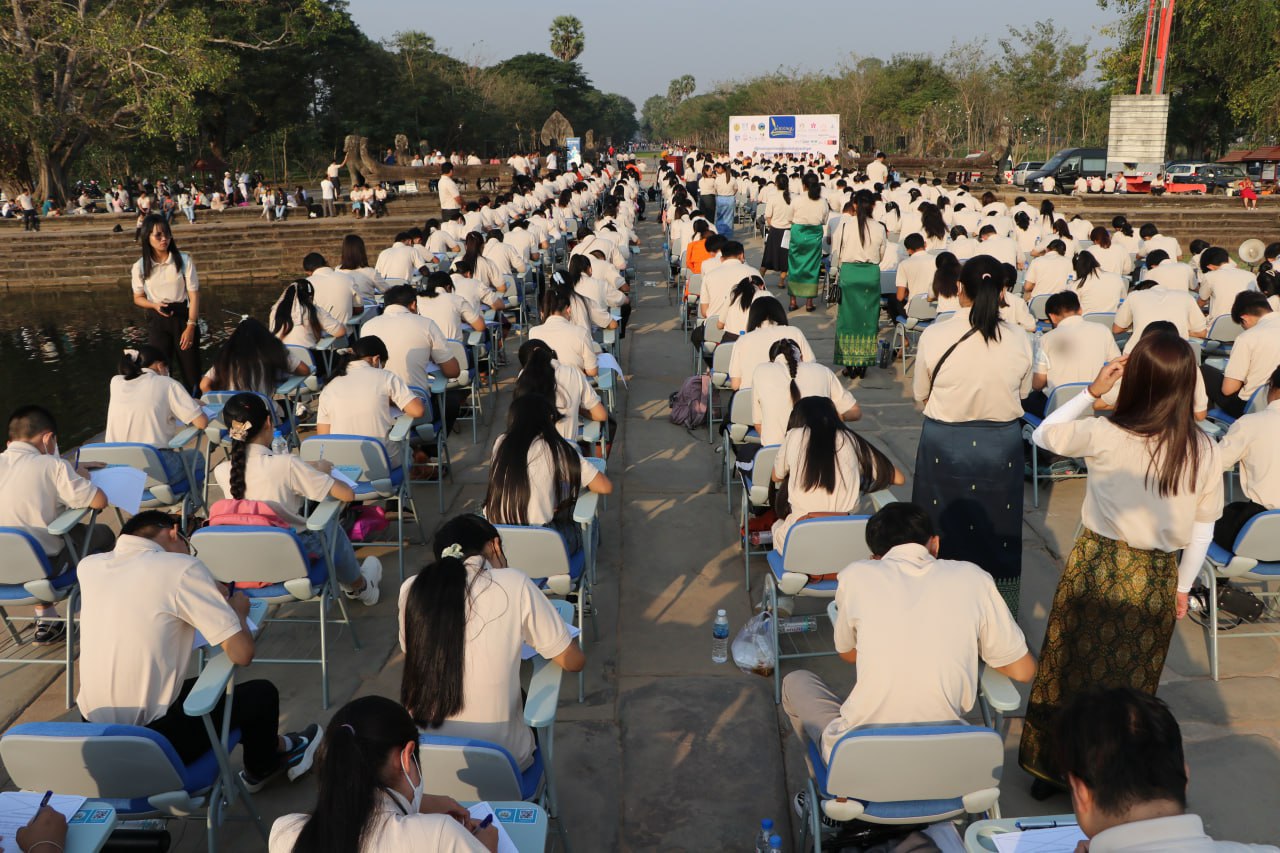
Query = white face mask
x=415 y=803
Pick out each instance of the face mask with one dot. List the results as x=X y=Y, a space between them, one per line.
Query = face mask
x=416 y=802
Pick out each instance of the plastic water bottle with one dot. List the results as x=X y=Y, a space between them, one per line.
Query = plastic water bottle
x=279 y=444
x=775 y=844
x=797 y=624
x=763 y=836
x=720 y=638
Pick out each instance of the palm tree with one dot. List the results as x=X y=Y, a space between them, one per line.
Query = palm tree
x=567 y=39
x=680 y=88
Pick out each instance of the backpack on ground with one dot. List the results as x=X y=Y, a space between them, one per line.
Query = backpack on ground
x=689 y=404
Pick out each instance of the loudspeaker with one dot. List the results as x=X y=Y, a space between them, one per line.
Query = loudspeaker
x=902 y=143
x=868 y=144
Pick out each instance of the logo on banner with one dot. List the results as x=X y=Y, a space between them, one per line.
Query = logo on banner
x=782 y=127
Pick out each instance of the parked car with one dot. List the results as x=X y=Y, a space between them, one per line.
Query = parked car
x=1067 y=165
x=1021 y=171
x=1216 y=177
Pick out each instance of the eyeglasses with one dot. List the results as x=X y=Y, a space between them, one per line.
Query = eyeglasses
x=191 y=549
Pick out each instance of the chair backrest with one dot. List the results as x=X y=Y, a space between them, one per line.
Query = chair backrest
x=22 y=557
x=720 y=361
x=469 y=770
x=220 y=398
x=920 y=308
x=349 y=451
x=888 y=282
x=762 y=473
x=820 y=546
x=695 y=284
x=1258 y=400
x=1063 y=394
x=91 y=760
x=1037 y=306
x=143 y=457
x=1102 y=318
x=251 y=554
x=1259 y=539
x=458 y=350
x=1223 y=329
x=906 y=763
x=537 y=551
x=740 y=408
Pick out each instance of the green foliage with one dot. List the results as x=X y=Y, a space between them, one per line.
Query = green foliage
x=567 y=38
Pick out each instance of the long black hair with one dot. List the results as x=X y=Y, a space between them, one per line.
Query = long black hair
x=435 y=623
x=303 y=293
x=150 y=223
x=349 y=768
x=243 y=409
x=537 y=373
x=763 y=310
x=556 y=297
x=250 y=359
x=366 y=346
x=783 y=184
x=818 y=469
x=133 y=360
x=531 y=418
x=946 y=274
x=1085 y=265
x=932 y=223
x=983 y=280
x=863 y=205
x=790 y=352
x=744 y=292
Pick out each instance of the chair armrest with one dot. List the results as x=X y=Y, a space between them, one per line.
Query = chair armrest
x=882 y=498
x=436 y=383
x=400 y=430
x=325 y=514
x=591 y=431
x=585 y=509
x=475 y=338
x=293 y=383
x=210 y=687
x=998 y=690
x=63 y=524
x=183 y=438
x=328 y=342
x=544 y=694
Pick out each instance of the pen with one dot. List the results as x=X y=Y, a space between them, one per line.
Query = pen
x=48 y=795
x=1041 y=824
x=484 y=824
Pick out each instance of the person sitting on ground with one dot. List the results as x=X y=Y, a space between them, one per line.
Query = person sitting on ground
x=252 y=472
x=296 y=318
x=1121 y=752
x=779 y=384
x=370 y=797
x=149 y=407
x=463 y=621
x=1147 y=303
x=535 y=475
x=36 y=486
x=1169 y=274
x=916 y=670
x=413 y=342
x=825 y=466
x=1073 y=351
x=132 y=671
x=766 y=325
x=364 y=398
x=541 y=373
x=1221 y=281
x=1254 y=355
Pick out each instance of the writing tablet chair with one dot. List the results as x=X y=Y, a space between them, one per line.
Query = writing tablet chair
x=721 y=354
x=175 y=476
x=1253 y=560
x=921 y=313
x=740 y=430
x=755 y=496
x=1057 y=397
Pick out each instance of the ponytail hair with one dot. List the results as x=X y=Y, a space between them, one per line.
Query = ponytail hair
x=765 y=310
x=537 y=373
x=946 y=275
x=744 y=292
x=790 y=353
x=813 y=186
x=245 y=416
x=1085 y=265
x=435 y=622
x=983 y=281
x=557 y=296
x=863 y=204
x=349 y=768
x=134 y=359
x=367 y=346
x=783 y=184
x=818 y=468
x=303 y=293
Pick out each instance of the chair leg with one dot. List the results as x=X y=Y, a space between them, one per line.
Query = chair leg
x=1213 y=626
x=72 y=600
x=400 y=538
x=813 y=821
x=771 y=590
x=324 y=650
x=1035 y=475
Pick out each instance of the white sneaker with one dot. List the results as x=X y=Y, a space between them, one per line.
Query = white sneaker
x=371 y=571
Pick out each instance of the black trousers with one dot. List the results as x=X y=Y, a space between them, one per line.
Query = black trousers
x=30 y=220
x=165 y=334
x=255 y=711
x=1235 y=516
x=624 y=314
x=1233 y=405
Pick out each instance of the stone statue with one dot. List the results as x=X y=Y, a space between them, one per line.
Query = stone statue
x=403 y=156
x=556 y=130
x=589 y=143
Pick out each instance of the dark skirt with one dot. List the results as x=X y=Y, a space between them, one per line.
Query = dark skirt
x=1112 y=619
x=775 y=256
x=969 y=478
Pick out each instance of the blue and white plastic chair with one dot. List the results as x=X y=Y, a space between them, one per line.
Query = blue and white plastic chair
x=739 y=430
x=1254 y=559
x=175 y=476
x=755 y=495
x=1057 y=397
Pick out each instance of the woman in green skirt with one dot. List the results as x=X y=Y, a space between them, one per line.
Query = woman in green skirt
x=804 y=255
x=857 y=247
x=1154 y=488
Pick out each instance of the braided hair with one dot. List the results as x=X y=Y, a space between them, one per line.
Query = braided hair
x=249 y=410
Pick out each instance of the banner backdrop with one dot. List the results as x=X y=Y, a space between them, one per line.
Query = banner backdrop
x=784 y=135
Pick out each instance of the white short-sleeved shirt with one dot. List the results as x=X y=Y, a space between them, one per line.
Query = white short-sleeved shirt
x=282 y=480
x=1251 y=442
x=366 y=401
x=35 y=488
x=449 y=194
x=543 y=492
x=391 y=830
x=505 y=609
x=1003 y=249
x=720 y=282
x=1117 y=502
x=448 y=311
x=1101 y=293
x=771 y=395
x=916 y=274
x=1112 y=259
x=1172 y=275
x=1255 y=355
x=166 y=284
x=980 y=381
x=790 y=463
x=1220 y=288
x=302 y=334
x=1143 y=307
x=148 y=409
x=132 y=669
x=919 y=625
x=1162 y=241
x=573 y=394
x=1074 y=351
x=752 y=350
x=570 y=342
x=368 y=281
x=413 y=343
x=1048 y=274
x=397 y=261
x=335 y=292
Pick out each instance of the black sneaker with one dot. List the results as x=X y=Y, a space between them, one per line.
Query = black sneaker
x=798 y=803
x=50 y=633
x=305 y=743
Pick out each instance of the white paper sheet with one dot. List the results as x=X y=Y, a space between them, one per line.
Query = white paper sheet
x=122 y=485
x=605 y=361
x=786 y=239
x=480 y=811
x=343 y=474
x=1061 y=839
x=17 y=808
x=527 y=652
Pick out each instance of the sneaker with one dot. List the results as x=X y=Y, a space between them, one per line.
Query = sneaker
x=371 y=571
x=798 y=803
x=305 y=743
x=50 y=633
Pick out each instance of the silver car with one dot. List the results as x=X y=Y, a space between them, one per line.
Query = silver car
x=1020 y=172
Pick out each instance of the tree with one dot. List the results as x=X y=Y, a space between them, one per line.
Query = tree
x=567 y=38
x=680 y=88
x=90 y=72
x=1042 y=72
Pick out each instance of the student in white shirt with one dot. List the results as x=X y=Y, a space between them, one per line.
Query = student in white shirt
x=413 y=342
x=944 y=290
x=1250 y=442
x=541 y=373
x=535 y=476
x=398 y=261
x=1220 y=281
x=591 y=295
x=1124 y=764
x=436 y=240
x=296 y=318
x=450 y=196
x=1169 y=274
x=1111 y=258
x=367 y=281
x=1049 y=273
x=918 y=670
x=1255 y=355
x=1147 y=303
x=147 y=406
x=335 y=291
x=766 y=324
x=570 y=341
x=252 y=359
x=1099 y=291
x=779 y=384
x=1152 y=239
x=363 y=398
x=253 y=473
x=371 y=796
x=915 y=275
x=447 y=309
x=734 y=310
x=1073 y=351
x=164 y=281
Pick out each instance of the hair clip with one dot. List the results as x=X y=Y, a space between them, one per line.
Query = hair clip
x=348 y=727
x=132 y=353
x=239 y=430
x=454 y=550
x=986 y=275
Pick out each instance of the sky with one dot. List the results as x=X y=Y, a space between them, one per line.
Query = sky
x=636 y=53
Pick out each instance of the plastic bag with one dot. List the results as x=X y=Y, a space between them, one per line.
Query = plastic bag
x=753 y=647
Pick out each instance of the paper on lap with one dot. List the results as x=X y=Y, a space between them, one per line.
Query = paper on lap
x=480 y=811
x=122 y=485
x=17 y=808
x=1061 y=839
x=528 y=652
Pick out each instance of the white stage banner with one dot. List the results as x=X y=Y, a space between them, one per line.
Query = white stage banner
x=783 y=134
